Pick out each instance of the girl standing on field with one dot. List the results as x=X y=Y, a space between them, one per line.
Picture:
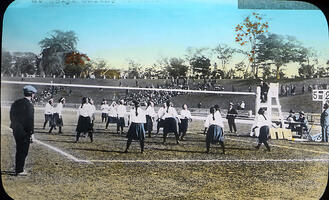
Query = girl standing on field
x=215 y=126
x=58 y=118
x=112 y=114
x=136 y=129
x=85 y=113
x=264 y=129
x=150 y=115
x=185 y=117
x=170 y=123
x=104 y=110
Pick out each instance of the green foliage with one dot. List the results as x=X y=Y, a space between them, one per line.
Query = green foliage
x=200 y=65
x=177 y=68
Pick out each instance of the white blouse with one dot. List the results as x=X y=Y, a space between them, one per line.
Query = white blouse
x=140 y=118
x=86 y=110
x=185 y=114
x=161 y=113
x=218 y=120
x=261 y=121
x=112 y=111
x=105 y=108
x=49 y=109
x=172 y=113
x=121 y=110
x=150 y=111
x=59 y=109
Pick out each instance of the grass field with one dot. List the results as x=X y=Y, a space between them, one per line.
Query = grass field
x=100 y=170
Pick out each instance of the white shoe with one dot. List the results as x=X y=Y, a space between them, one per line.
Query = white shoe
x=23 y=173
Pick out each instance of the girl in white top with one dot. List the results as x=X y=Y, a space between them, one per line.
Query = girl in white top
x=136 y=129
x=150 y=115
x=170 y=123
x=104 y=110
x=160 y=118
x=112 y=114
x=185 y=117
x=85 y=113
x=215 y=125
x=121 y=111
x=58 y=119
x=49 y=111
x=263 y=123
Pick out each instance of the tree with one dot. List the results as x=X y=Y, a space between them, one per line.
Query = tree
x=24 y=63
x=176 y=67
x=248 y=32
x=278 y=50
x=224 y=53
x=6 y=62
x=306 y=70
x=76 y=64
x=134 y=70
x=54 y=49
x=200 y=65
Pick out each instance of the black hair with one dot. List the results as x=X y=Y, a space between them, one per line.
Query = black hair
x=261 y=111
x=84 y=101
x=212 y=111
x=168 y=105
x=183 y=105
x=216 y=107
x=136 y=104
x=61 y=100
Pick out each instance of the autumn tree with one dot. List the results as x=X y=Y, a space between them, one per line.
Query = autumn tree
x=76 y=64
x=247 y=34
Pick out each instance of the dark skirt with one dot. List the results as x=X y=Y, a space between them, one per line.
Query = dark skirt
x=57 y=120
x=121 y=121
x=83 y=124
x=214 y=134
x=50 y=119
x=148 y=126
x=112 y=119
x=170 y=125
x=263 y=133
x=183 y=125
x=161 y=123
x=136 y=131
x=104 y=115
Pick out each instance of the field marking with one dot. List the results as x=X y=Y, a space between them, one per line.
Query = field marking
x=287 y=147
x=209 y=161
x=69 y=156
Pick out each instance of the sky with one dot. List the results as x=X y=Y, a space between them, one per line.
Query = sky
x=146 y=30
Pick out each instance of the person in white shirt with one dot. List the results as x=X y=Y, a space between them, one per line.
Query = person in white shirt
x=215 y=125
x=170 y=123
x=160 y=119
x=150 y=115
x=264 y=128
x=136 y=129
x=112 y=114
x=58 y=118
x=104 y=110
x=242 y=105
x=85 y=113
x=185 y=117
x=49 y=111
x=92 y=119
x=121 y=111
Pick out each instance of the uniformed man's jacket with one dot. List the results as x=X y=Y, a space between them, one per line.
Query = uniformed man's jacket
x=22 y=116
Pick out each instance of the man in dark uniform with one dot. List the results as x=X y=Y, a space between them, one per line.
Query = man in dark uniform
x=22 y=123
x=231 y=115
x=263 y=91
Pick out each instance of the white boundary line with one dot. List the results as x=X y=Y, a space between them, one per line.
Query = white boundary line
x=129 y=88
x=287 y=147
x=209 y=161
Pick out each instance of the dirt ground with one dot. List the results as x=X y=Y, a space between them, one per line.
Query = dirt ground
x=289 y=171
